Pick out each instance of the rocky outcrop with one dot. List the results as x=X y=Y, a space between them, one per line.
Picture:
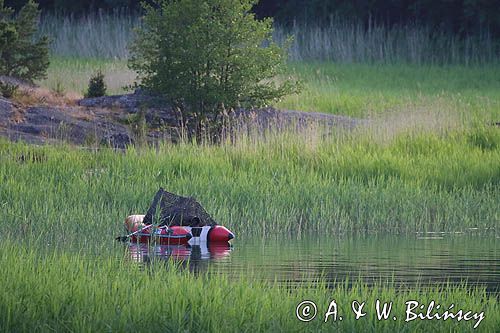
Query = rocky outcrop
x=42 y=124
x=157 y=109
x=118 y=121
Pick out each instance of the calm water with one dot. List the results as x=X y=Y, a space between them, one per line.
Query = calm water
x=406 y=261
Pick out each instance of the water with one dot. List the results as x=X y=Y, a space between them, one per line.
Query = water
x=405 y=261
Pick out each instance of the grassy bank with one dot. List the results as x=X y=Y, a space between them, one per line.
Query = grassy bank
x=362 y=90
x=452 y=93
x=287 y=184
x=65 y=292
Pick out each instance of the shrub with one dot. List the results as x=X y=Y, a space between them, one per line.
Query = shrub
x=21 y=55
x=7 y=90
x=97 y=86
x=208 y=56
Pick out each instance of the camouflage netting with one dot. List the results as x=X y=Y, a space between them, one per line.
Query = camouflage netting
x=178 y=211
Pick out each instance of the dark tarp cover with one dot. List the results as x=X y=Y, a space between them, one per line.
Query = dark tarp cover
x=177 y=211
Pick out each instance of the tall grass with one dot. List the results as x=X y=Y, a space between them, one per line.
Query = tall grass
x=350 y=42
x=67 y=292
x=62 y=206
x=98 y=35
x=285 y=185
x=107 y=36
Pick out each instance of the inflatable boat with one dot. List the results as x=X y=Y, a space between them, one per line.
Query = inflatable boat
x=174 y=235
x=209 y=234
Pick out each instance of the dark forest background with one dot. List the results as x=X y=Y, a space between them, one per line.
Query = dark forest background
x=463 y=17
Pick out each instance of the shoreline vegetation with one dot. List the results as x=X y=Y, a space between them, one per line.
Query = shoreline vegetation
x=347 y=183
x=428 y=162
x=106 y=35
x=66 y=292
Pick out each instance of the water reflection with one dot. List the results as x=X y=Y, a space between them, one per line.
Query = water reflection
x=404 y=261
x=194 y=257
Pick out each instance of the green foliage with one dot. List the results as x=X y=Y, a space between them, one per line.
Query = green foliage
x=97 y=86
x=486 y=138
x=468 y=17
x=21 y=55
x=209 y=56
x=259 y=187
x=8 y=90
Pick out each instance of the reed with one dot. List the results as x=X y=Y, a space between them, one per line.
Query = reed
x=69 y=292
x=96 y=35
x=107 y=35
x=344 y=41
x=285 y=184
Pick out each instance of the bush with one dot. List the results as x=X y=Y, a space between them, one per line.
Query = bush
x=8 y=90
x=97 y=86
x=21 y=55
x=208 y=56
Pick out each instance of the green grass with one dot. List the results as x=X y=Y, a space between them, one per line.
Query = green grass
x=73 y=75
x=366 y=90
x=428 y=161
x=353 y=90
x=70 y=293
x=288 y=184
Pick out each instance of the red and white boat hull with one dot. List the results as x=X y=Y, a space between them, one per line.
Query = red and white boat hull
x=174 y=235
x=209 y=234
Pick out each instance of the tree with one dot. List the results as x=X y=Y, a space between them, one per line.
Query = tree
x=21 y=55
x=208 y=56
x=97 y=86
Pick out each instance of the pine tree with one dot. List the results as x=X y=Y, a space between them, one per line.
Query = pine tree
x=97 y=86
x=21 y=55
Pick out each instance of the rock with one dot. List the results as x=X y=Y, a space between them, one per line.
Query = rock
x=117 y=140
x=6 y=109
x=158 y=112
x=111 y=120
x=127 y=102
x=132 y=103
x=61 y=124
x=271 y=118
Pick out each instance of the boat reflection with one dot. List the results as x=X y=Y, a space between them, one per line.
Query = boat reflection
x=196 y=257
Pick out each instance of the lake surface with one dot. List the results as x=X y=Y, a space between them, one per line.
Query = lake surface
x=425 y=259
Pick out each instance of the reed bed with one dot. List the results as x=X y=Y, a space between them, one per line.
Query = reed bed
x=97 y=35
x=67 y=292
x=106 y=35
x=344 y=41
x=284 y=185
